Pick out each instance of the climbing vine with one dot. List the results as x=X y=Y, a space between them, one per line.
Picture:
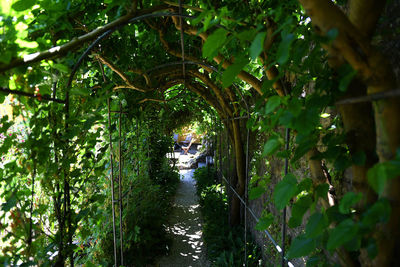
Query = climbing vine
x=311 y=68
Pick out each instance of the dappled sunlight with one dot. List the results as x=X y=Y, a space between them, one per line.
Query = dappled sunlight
x=185 y=227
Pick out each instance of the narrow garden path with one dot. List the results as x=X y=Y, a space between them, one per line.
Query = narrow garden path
x=188 y=248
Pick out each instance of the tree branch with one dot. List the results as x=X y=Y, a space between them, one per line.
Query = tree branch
x=38 y=96
x=152 y=99
x=243 y=75
x=120 y=74
x=365 y=14
x=76 y=42
x=140 y=72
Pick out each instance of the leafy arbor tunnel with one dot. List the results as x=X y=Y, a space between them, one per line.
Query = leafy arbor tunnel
x=260 y=61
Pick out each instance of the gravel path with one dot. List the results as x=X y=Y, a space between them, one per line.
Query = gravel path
x=187 y=248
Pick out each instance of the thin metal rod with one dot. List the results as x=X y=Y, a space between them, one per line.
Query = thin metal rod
x=226 y=168
x=33 y=174
x=220 y=148
x=137 y=146
x=246 y=193
x=287 y=140
x=277 y=247
x=121 y=233
x=112 y=183
x=251 y=212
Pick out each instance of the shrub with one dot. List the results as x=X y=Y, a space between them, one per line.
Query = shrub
x=144 y=219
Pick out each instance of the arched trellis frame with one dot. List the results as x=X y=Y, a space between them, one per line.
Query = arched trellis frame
x=183 y=62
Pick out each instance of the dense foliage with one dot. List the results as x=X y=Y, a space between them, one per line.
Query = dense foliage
x=225 y=244
x=311 y=66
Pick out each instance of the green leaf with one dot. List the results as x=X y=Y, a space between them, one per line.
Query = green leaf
x=23 y=5
x=257 y=45
x=301 y=246
x=316 y=225
x=265 y=222
x=354 y=244
x=61 y=67
x=246 y=35
x=233 y=70
x=349 y=200
x=299 y=208
x=379 y=212
x=6 y=57
x=284 y=47
x=305 y=185
x=214 y=42
x=381 y=172
x=322 y=190
x=272 y=103
x=200 y=17
x=83 y=213
x=346 y=73
x=256 y=192
x=10 y=203
x=334 y=215
x=285 y=190
x=271 y=146
x=372 y=248
x=342 y=233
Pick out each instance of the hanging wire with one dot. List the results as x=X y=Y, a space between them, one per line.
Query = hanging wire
x=277 y=247
x=112 y=184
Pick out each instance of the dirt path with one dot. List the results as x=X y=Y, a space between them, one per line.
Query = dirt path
x=185 y=227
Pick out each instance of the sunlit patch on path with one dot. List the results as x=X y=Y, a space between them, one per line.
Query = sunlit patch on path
x=185 y=227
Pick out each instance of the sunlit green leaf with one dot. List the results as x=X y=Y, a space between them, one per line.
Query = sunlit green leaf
x=22 y=5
